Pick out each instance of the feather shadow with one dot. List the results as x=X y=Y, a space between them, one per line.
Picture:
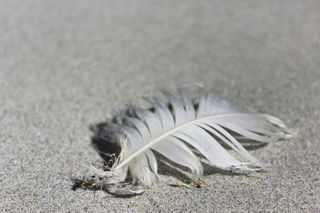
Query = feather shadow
x=104 y=142
x=91 y=185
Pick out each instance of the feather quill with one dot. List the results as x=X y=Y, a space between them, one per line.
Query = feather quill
x=171 y=127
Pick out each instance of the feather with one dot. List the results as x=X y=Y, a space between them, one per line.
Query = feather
x=171 y=127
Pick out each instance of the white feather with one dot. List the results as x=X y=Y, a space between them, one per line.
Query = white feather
x=170 y=126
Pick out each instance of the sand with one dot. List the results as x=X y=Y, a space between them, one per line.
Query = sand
x=66 y=65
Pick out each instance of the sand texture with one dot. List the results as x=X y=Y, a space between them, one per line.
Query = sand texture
x=65 y=65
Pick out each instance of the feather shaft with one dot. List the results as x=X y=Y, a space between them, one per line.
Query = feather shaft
x=173 y=130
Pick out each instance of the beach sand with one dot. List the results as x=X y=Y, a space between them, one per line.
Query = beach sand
x=66 y=65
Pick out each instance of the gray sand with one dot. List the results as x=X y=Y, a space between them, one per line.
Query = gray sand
x=64 y=66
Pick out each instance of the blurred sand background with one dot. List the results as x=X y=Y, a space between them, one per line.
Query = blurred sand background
x=66 y=65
